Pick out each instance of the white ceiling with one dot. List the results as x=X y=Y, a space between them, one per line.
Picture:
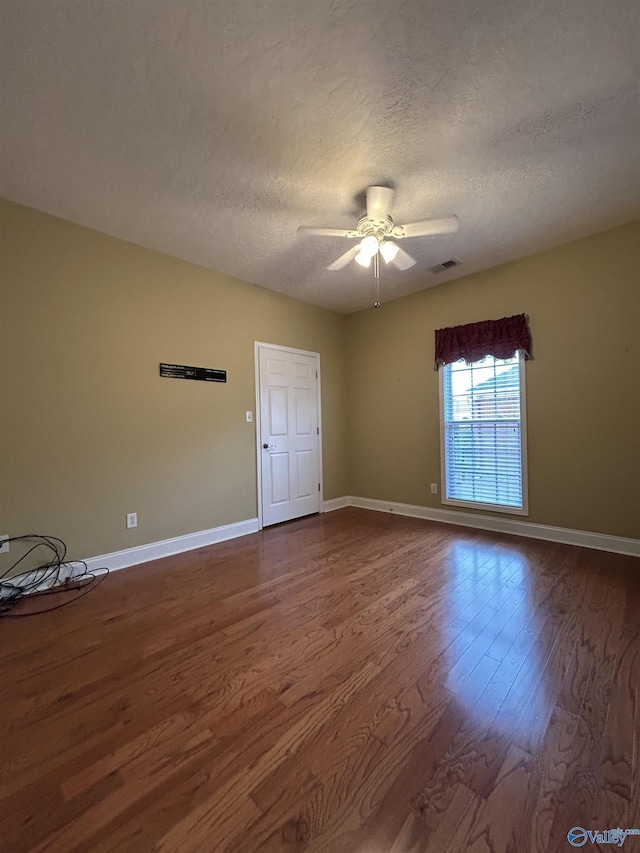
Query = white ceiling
x=211 y=130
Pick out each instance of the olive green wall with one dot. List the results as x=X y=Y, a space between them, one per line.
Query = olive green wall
x=89 y=431
x=583 y=386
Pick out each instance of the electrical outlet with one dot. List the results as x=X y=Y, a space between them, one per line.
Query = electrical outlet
x=4 y=543
x=434 y=488
x=132 y=519
x=249 y=417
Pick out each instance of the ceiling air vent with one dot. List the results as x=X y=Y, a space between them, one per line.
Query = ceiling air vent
x=446 y=265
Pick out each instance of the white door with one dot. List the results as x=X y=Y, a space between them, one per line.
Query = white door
x=289 y=442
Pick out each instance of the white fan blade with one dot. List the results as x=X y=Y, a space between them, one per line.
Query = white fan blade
x=379 y=202
x=428 y=228
x=403 y=260
x=326 y=232
x=343 y=260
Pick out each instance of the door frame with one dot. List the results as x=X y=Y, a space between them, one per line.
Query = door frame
x=257 y=346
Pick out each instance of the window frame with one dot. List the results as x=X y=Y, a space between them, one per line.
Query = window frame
x=479 y=505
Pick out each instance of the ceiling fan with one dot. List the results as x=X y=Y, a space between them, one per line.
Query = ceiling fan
x=374 y=230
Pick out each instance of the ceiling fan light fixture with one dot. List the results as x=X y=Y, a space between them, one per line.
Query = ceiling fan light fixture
x=389 y=251
x=363 y=258
x=369 y=246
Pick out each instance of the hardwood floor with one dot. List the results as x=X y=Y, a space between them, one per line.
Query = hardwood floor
x=348 y=683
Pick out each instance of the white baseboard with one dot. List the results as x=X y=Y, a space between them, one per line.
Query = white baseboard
x=598 y=541
x=166 y=547
x=134 y=556
x=335 y=503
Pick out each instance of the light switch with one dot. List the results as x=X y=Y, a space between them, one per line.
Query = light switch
x=249 y=417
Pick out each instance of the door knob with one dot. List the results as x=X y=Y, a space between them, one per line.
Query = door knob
x=267 y=446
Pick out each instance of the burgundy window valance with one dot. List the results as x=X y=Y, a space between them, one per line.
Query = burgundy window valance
x=472 y=342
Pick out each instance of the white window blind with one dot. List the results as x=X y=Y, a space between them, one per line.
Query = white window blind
x=483 y=433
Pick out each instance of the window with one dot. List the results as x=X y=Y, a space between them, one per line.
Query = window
x=483 y=434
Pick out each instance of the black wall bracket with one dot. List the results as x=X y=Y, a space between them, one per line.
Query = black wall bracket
x=203 y=374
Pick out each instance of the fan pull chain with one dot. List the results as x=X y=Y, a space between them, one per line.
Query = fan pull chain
x=376 y=278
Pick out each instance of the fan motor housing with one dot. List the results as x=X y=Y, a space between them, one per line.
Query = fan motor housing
x=378 y=227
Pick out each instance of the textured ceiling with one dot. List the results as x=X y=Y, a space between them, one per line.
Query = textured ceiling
x=211 y=130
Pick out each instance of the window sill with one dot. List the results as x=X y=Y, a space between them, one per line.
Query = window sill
x=509 y=510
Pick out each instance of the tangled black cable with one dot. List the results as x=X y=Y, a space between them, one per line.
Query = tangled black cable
x=49 y=573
